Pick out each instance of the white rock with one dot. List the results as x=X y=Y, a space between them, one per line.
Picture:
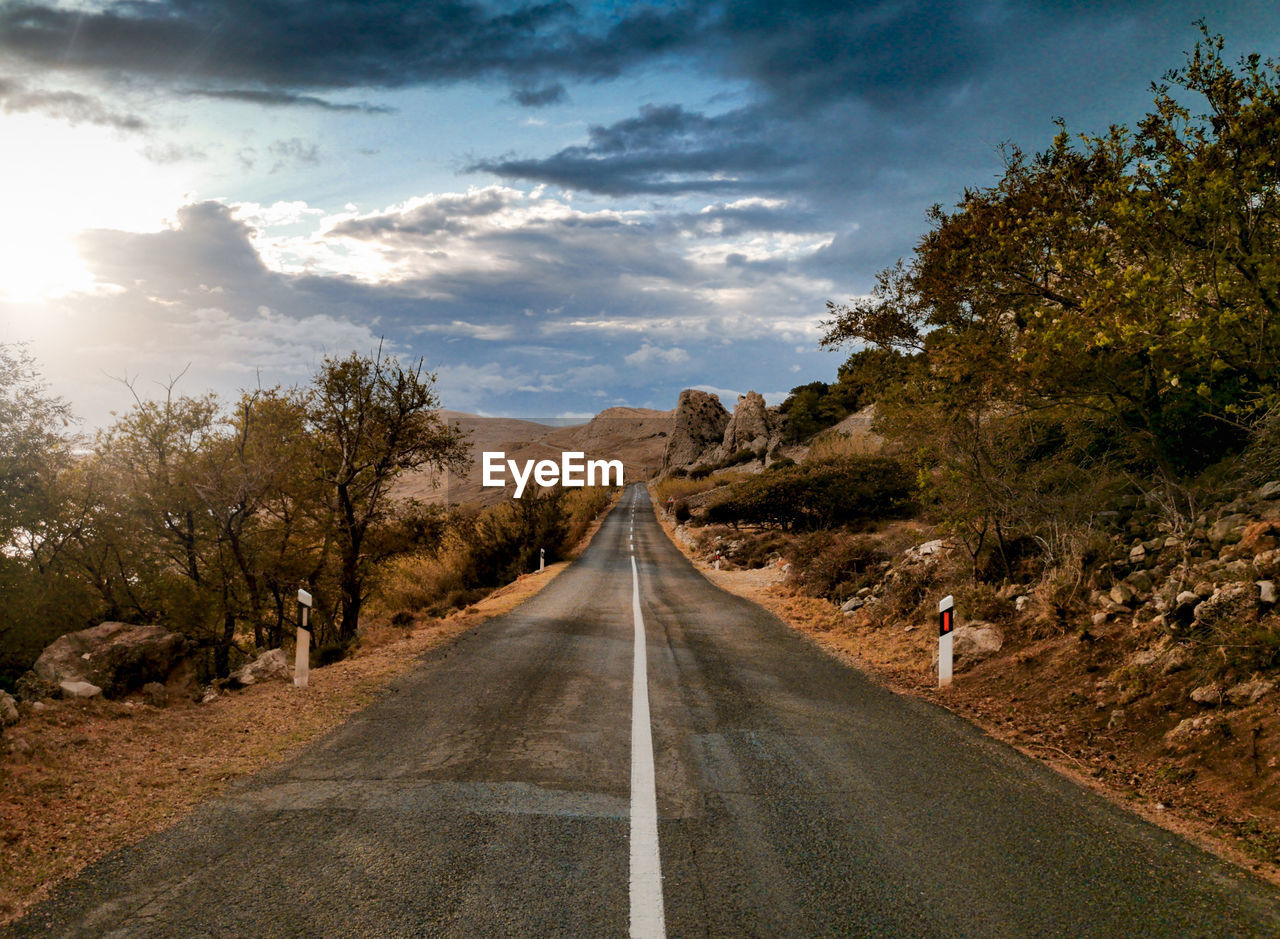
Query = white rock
x=929 y=548
x=79 y=689
x=1020 y=603
x=270 y=666
x=1267 y=591
x=1249 y=692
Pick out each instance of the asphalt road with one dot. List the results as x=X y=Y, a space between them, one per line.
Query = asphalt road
x=492 y=795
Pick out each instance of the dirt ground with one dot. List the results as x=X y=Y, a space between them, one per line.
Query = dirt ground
x=1057 y=700
x=80 y=779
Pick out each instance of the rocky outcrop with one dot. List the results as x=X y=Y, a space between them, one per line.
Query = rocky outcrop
x=114 y=657
x=749 y=427
x=699 y=424
x=8 y=710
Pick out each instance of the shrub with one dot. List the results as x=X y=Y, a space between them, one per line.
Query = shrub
x=821 y=494
x=835 y=564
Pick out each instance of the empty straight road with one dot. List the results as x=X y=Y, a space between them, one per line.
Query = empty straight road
x=500 y=791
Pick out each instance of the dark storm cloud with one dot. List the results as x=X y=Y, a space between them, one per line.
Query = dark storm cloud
x=276 y=99
x=70 y=106
x=662 y=150
x=284 y=46
x=540 y=96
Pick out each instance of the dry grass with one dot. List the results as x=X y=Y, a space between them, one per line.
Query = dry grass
x=81 y=779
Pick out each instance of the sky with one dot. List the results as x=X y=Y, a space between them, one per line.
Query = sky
x=558 y=206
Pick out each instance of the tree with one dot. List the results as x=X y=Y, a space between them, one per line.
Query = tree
x=370 y=419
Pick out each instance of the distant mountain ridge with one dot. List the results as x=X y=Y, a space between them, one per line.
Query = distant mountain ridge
x=636 y=436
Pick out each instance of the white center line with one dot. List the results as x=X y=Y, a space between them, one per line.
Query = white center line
x=646 y=866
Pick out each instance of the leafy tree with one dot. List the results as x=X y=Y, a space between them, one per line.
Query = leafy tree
x=370 y=418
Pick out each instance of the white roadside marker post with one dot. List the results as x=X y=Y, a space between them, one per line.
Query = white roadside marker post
x=302 y=661
x=946 y=623
x=542 y=559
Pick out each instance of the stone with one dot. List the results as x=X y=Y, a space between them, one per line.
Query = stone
x=1122 y=594
x=1020 y=602
x=1100 y=618
x=270 y=666
x=1267 y=592
x=1229 y=604
x=852 y=604
x=1193 y=727
x=1118 y=719
x=972 y=643
x=930 y=548
x=698 y=425
x=79 y=689
x=8 y=710
x=1250 y=692
x=1153 y=545
x=1208 y=695
x=1141 y=583
x=1187 y=598
x=115 y=657
x=1227 y=530
x=1137 y=554
x=1268 y=491
x=209 y=696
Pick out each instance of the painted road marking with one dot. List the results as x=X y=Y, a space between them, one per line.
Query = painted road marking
x=646 y=866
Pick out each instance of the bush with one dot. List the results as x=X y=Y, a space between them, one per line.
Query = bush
x=823 y=494
x=835 y=564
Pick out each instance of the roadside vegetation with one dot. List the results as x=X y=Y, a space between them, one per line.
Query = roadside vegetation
x=1076 y=386
x=206 y=516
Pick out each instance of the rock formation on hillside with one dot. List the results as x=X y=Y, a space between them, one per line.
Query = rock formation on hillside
x=699 y=424
x=111 y=658
x=750 y=426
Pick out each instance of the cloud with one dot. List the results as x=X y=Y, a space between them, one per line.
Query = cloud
x=293 y=152
x=539 y=96
x=649 y=353
x=70 y=106
x=332 y=44
x=277 y=99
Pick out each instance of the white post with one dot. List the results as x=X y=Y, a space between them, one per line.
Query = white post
x=302 y=660
x=946 y=623
x=542 y=559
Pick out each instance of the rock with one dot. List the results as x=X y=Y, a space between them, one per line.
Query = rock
x=853 y=603
x=1203 y=589
x=1250 y=692
x=1154 y=545
x=79 y=689
x=1194 y=727
x=209 y=696
x=8 y=710
x=1020 y=602
x=698 y=424
x=1268 y=491
x=116 y=657
x=1229 y=604
x=1137 y=554
x=1100 y=618
x=1187 y=598
x=1207 y=694
x=270 y=666
x=1267 y=592
x=155 y=694
x=31 y=687
x=1122 y=595
x=1117 y=720
x=1227 y=530
x=749 y=427
x=1141 y=583
x=930 y=548
x=974 y=642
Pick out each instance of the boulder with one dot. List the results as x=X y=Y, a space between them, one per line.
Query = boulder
x=972 y=643
x=1228 y=529
x=1267 y=592
x=115 y=657
x=8 y=710
x=1208 y=695
x=853 y=603
x=1123 y=595
x=749 y=427
x=270 y=666
x=1194 y=727
x=79 y=689
x=1268 y=491
x=698 y=424
x=1249 y=692
x=1229 y=604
